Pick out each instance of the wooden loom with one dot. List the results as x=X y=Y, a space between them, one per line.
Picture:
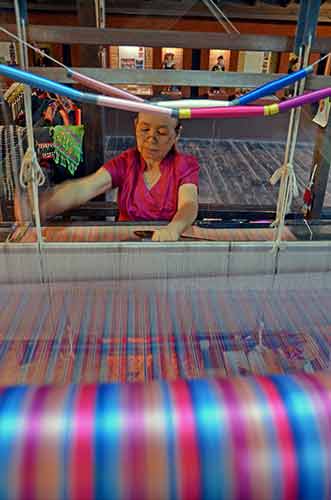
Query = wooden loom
x=255 y=438
x=94 y=253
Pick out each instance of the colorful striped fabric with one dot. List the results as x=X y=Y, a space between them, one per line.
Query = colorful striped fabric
x=126 y=233
x=263 y=438
x=137 y=332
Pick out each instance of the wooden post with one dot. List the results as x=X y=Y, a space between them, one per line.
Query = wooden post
x=92 y=116
x=157 y=63
x=233 y=66
x=283 y=62
x=204 y=65
x=187 y=64
x=234 y=58
x=305 y=34
x=322 y=158
x=57 y=51
x=328 y=66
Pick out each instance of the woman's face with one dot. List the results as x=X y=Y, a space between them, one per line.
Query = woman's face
x=155 y=136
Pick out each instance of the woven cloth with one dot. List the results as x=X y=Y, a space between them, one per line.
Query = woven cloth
x=130 y=332
x=127 y=233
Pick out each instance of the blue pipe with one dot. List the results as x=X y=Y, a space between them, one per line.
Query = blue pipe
x=271 y=87
x=45 y=84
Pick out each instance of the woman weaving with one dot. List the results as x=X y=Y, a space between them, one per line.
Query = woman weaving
x=154 y=181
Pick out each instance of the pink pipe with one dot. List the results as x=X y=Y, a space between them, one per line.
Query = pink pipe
x=136 y=107
x=305 y=99
x=109 y=90
x=230 y=112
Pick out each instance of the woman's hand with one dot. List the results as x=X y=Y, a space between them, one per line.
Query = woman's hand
x=167 y=233
x=184 y=217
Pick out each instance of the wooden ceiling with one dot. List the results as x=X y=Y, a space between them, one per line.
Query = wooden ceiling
x=237 y=9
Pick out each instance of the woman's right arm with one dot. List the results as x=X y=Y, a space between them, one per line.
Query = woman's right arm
x=73 y=193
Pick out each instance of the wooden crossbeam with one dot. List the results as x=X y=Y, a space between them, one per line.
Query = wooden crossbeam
x=177 y=9
x=180 y=77
x=161 y=38
x=154 y=38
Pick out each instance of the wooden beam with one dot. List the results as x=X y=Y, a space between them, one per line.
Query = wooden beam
x=174 y=9
x=161 y=38
x=179 y=77
x=261 y=12
x=155 y=38
x=322 y=158
x=204 y=66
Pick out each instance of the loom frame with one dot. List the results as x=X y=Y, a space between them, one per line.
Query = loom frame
x=306 y=27
x=86 y=261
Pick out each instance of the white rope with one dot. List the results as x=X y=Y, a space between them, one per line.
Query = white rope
x=321 y=59
x=31 y=173
x=32 y=47
x=288 y=189
x=30 y=170
x=288 y=183
x=286 y=174
x=309 y=229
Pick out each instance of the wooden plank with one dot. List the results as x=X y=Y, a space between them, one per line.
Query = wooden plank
x=154 y=38
x=180 y=77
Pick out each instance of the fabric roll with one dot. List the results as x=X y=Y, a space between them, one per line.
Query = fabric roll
x=248 y=438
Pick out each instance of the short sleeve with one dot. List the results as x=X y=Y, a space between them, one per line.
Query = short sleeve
x=117 y=168
x=189 y=171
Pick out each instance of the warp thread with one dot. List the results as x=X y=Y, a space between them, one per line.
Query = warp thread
x=11 y=156
x=14 y=96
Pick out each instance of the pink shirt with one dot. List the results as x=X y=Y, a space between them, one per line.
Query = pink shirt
x=137 y=202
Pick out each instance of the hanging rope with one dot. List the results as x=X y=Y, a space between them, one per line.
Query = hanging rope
x=31 y=174
x=287 y=191
x=286 y=174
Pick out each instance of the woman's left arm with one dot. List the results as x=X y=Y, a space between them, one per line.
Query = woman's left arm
x=184 y=217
